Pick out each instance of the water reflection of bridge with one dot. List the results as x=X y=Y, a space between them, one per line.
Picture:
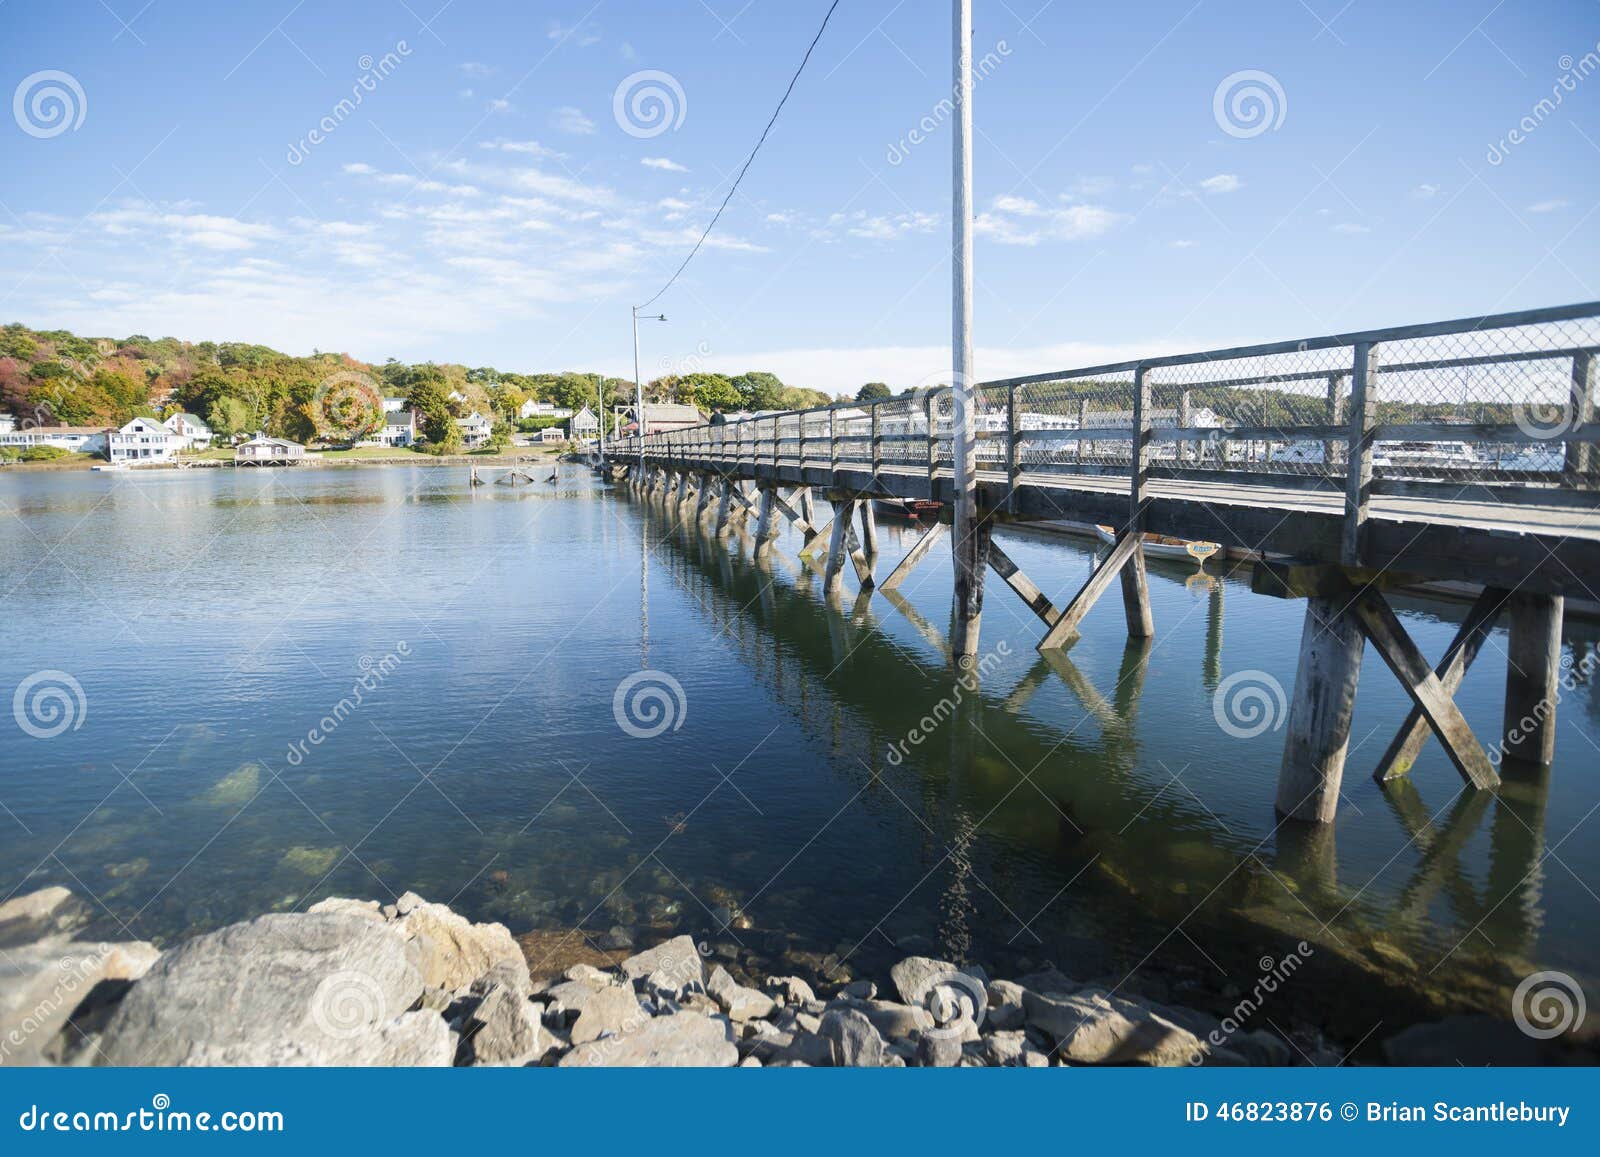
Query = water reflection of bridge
x=1077 y=794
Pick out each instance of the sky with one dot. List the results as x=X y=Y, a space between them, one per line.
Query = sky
x=496 y=183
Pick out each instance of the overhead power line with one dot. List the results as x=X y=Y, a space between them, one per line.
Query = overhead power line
x=735 y=188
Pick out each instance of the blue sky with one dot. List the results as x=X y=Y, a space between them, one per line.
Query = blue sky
x=484 y=203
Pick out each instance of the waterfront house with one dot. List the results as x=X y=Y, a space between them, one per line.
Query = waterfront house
x=79 y=439
x=533 y=409
x=399 y=428
x=475 y=429
x=143 y=440
x=663 y=416
x=584 y=425
x=264 y=451
x=551 y=434
x=8 y=423
x=191 y=431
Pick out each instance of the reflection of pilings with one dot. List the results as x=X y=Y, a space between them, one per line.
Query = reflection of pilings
x=1212 y=671
x=1516 y=857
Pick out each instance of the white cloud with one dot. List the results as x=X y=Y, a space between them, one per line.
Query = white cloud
x=1221 y=183
x=476 y=68
x=531 y=148
x=1350 y=227
x=571 y=120
x=1425 y=192
x=582 y=34
x=665 y=164
x=1019 y=221
x=499 y=104
x=1185 y=243
x=1549 y=206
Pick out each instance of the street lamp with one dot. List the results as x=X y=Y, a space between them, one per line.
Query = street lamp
x=638 y=384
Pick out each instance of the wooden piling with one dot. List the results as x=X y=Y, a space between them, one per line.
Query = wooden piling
x=1323 y=700
x=1533 y=678
x=838 y=548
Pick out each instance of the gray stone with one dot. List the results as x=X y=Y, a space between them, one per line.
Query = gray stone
x=502 y=1030
x=366 y=909
x=1005 y=1006
x=1263 y=1048
x=791 y=990
x=737 y=1000
x=678 y=958
x=860 y=990
x=594 y=1011
x=1472 y=1041
x=853 y=1041
x=939 y=1050
x=616 y=938
x=589 y=974
x=686 y=1040
x=53 y=911
x=1091 y=1026
x=317 y=989
x=914 y=976
x=1050 y=981
x=1013 y=1049
x=455 y=951
x=43 y=985
x=893 y=1021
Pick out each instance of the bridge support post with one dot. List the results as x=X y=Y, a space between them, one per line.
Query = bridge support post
x=1331 y=646
x=869 y=535
x=764 y=530
x=919 y=551
x=725 y=506
x=704 y=501
x=838 y=546
x=1533 y=677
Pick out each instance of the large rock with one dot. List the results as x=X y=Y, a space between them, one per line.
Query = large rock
x=893 y=1021
x=313 y=989
x=48 y=912
x=1091 y=1026
x=852 y=1041
x=503 y=1030
x=455 y=951
x=1012 y=1049
x=684 y=1040
x=1472 y=1041
x=594 y=1010
x=915 y=977
x=43 y=984
x=678 y=959
x=740 y=1002
x=1005 y=1006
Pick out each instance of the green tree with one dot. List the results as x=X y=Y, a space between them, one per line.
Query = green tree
x=759 y=390
x=873 y=392
x=228 y=416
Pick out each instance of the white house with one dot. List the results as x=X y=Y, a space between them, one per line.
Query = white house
x=144 y=440
x=191 y=431
x=399 y=428
x=80 y=439
x=584 y=424
x=8 y=423
x=392 y=405
x=475 y=429
x=264 y=451
x=551 y=434
x=533 y=409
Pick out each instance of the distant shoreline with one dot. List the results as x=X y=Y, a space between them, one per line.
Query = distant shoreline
x=318 y=460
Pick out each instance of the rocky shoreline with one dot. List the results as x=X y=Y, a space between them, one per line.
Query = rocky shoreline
x=356 y=982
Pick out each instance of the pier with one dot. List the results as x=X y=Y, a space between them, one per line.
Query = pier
x=1349 y=465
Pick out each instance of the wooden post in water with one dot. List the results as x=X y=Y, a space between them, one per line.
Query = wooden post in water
x=970 y=538
x=1358 y=458
x=838 y=548
x=1322 y=702
x=1580 y=459
x=1135 y=583
x=869 y=535
x=1533 y=678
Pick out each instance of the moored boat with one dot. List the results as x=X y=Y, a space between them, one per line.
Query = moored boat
x=1164 y=546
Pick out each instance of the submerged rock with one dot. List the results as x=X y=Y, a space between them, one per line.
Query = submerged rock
x=50 y=911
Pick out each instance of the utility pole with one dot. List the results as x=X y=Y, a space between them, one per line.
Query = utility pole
x=600 y=412
x=969 y=545
x=638 y=383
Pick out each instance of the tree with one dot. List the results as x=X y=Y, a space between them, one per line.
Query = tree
x=873 y=392
x=759 y=390
x=228 y=416
x=499 y=437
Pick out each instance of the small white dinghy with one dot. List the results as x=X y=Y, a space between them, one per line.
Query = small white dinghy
x=1160 y=546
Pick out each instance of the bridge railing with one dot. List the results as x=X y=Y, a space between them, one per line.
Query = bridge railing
x=1500 y=406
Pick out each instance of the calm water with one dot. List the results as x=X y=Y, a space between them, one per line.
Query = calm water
x=1091 y=813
